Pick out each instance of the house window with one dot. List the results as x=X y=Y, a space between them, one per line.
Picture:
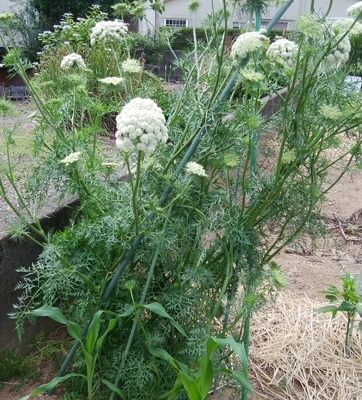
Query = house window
x=176 y=22
x=238 y=25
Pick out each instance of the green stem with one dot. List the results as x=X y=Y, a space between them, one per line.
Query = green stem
x=136 y=190
x=150 y=274
x=349 y=331
x=246 y=342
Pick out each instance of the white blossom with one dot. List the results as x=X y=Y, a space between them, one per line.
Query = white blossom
x=111 y=80
x=330 y=112
x=71 y=158
x=339 y=54
x=355 y=9
x=247 y=43
x=108 y=30
x=252 y=76
x=109 y=164
x=131 y=66
x=193 y=168
x=344 y=25
x=140 y=126
x=310 y=26
x=72 y=60
x=283 y=51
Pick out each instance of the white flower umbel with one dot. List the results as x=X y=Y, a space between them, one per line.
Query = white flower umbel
x=108 y=30
x=72 y=60
x=140 y=127
x=131 y=66
x=343 y=25
x=339 y=54
x=193 y=168
x=355 y=9
x=246 y=44
x=111 y=80
x=310 y=26
x=331 y=112
x=252 y=76
x=71 y=158
x=283 y=51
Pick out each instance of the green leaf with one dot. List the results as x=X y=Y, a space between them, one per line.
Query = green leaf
x=53 y=313
x=346 y=306
x=190 y=387
x=159 y=310
x=74 y=330
x=128 y=312
x=164 y=355
x=51 y=385
x=237 y=348
x=359 y=309
x=327 y=309
x=211 y=346
x=93 y=331
x=206 y=377
x=114 y=388
x=242 y=379
x=111 y=325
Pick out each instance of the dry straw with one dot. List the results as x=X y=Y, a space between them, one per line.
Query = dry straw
x=298 y=354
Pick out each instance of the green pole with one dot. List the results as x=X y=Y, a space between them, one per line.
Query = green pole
x=257 y=20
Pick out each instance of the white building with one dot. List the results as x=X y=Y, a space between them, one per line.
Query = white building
x=177 y=14
x=6 y=5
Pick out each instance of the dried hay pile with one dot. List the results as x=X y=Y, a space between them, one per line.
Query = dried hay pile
x=299 y=354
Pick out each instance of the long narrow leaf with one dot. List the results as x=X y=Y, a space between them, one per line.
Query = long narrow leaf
x=51 y=385
x=190 y=387
x=158 y=309
x=53 y=313
x=93 y=331
x=114 y=388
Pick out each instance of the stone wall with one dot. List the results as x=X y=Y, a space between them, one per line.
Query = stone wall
x=22 y=253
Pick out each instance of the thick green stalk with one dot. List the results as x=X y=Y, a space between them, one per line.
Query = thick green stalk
x=258 y=20
x=246 y=342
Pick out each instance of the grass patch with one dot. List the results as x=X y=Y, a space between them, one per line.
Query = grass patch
x=7 y=108
x=14 y=365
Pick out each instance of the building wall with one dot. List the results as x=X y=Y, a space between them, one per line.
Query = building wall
x=6 y=5
x=178 y=9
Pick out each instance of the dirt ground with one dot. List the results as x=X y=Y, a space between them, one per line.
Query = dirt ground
x=310 y=267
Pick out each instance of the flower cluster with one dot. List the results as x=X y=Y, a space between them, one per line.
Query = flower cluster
x=252 y=76
x=310 y=26
x=140 y=126
x=111 y=80
x=340 y=53
x=72 y=60
x=71 y=158
x=246 y=44
x=343 y=25
x=131 y=66
x=331 y=112
x=108 y=30
x=193 y=168
x=283 y=51
x=355 y=9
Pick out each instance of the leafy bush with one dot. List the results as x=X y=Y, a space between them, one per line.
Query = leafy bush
x=6 y=107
